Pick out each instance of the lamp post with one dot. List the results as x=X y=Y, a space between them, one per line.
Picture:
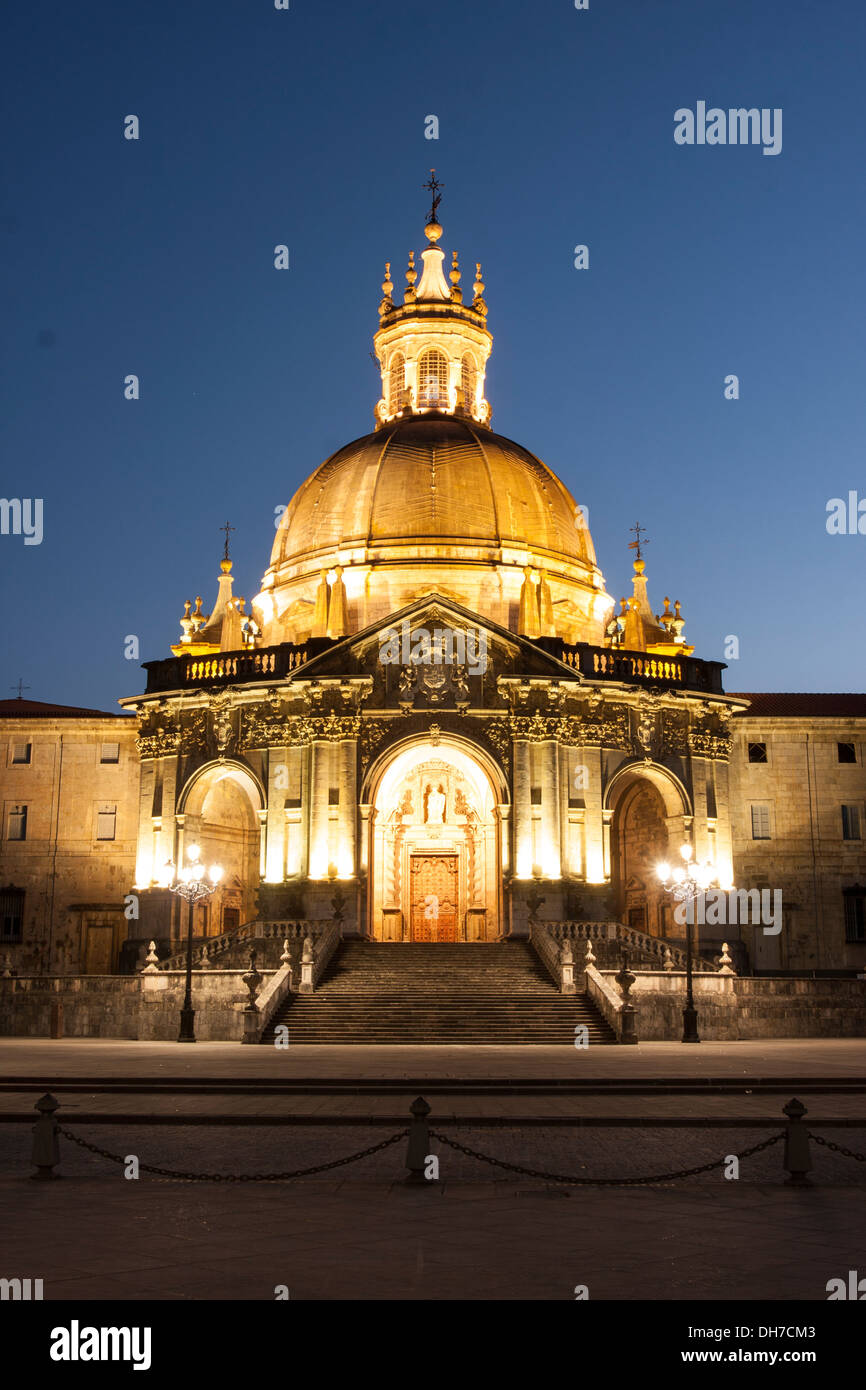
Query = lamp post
x=687 y=884
x=192 y=886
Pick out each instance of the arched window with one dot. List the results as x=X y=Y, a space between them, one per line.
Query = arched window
x=433 y=379
x=469 y=381
x=396 y=382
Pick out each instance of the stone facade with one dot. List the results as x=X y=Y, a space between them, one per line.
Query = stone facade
x=795 y=841
x=316 y=791
x=69 y=793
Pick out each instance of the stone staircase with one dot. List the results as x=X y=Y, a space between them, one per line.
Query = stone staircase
x=426 y=993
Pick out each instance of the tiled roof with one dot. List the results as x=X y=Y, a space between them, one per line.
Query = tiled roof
x=37 y=709
x=771 y=704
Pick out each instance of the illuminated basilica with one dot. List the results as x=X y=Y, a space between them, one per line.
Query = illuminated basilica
x=433 y=718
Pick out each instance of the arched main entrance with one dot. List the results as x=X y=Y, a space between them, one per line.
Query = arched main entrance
x=650 y=813
x=434 y=853
x=219 y=811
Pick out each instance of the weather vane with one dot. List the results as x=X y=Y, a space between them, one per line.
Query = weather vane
x=636 y=544
x=434 y=185
x=226 y=528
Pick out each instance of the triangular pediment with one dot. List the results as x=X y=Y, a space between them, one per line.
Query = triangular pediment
x=510 y=654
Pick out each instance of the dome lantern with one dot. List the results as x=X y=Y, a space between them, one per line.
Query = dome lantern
x=433 y=349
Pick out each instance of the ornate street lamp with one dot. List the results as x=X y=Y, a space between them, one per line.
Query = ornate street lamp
x=192 y=885
x=686 y=885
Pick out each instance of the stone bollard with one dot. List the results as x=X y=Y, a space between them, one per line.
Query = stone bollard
x=566 y=968
x=45 y=1153
x=151 y=963
x=625 y=979
x=725 y=961
x=418 y=1146
x=205 y=962
x=797 y=1159
x=668 y=961
x=306 y=984
x=252 y=979
x=589 y=959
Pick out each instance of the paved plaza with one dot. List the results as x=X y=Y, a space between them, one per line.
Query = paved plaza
x=359 y=1232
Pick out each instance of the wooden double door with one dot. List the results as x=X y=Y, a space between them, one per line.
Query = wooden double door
x=434 y=882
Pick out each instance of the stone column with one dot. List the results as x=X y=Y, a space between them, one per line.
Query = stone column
x=320 y=781
x=522 y=812
x=275 y=858
x=551 y=846
x=596 y=840
x=347 y=821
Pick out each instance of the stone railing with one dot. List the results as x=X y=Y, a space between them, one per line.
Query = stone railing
x=227 y=668
x=316 y=955
x=208 y=951
x=603 y=994
x=640 y=668
x=268 y=1001
x=557 y=958
x=617 y=934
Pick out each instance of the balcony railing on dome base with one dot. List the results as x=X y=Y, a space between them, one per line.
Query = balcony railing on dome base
x=638 y=668
x=229 y=668
x=594 y=663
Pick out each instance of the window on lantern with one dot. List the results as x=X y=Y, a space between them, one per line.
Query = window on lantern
x=468 y=380
x=396 y=382
x=433 y=379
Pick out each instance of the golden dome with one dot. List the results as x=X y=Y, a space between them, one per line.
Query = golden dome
x=433 y=503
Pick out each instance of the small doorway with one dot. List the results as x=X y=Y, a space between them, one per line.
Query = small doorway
x=434 y=897
x=98 y=949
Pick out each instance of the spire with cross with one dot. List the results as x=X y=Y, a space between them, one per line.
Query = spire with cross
x=20 y=688
x=227 y=528
x=434 y=185
x=637 y=542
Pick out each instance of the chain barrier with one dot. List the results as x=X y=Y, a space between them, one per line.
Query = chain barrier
x=603 y=1182
x=466 y=1149
x=837 y=1148
x=237 y=1177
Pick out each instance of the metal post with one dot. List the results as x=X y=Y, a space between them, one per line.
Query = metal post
x=45 y=1153
x=797 y=1159
x=187 y=1013
x=418 y=1147
x=690 y=1013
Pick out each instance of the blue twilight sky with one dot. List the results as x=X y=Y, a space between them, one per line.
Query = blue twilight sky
x=306 y=127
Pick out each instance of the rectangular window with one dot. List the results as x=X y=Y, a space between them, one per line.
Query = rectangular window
x=855 y=914
x=535 y=796
x=106 y=822
x=850 y=822
x=760 y=822
x=17 y=827
x=109 y=753
x=22 y=752
x=11 y=913
x=757 y=752
x=333 y=796
x=847 y=753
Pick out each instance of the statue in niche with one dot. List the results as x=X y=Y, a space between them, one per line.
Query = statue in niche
x=436 y=805
x=431 y=914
